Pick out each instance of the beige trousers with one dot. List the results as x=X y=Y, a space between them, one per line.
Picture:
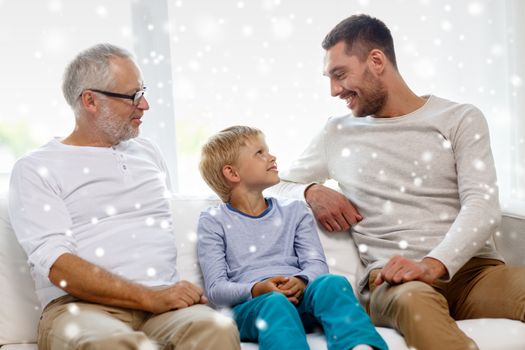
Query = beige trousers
x=69 y=323
x=425 y=315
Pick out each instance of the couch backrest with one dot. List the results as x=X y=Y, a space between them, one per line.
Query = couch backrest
x=341 y=253
x=20 y=309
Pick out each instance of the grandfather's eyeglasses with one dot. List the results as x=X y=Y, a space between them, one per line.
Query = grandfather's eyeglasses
x=136 y=97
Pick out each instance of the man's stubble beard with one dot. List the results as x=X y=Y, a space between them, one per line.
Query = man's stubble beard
x=373 y=96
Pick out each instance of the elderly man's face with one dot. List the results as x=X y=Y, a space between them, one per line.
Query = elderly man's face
x=119 y=119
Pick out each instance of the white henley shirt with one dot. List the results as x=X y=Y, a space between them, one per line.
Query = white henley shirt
x=107 y=205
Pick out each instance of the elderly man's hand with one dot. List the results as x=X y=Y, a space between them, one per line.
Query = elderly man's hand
x=331 y=208
x=177 y=296
x=400 y=270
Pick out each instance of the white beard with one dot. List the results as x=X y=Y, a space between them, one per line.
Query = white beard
x=114 y=129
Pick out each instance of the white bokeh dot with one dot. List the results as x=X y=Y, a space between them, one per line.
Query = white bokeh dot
x=149 y=221
x=72 y=308
x=110 y=210
x=71 y=330
x=43 y=171
x=99 y=252
x=363 y=248
x=192 y=236
x=261 y=324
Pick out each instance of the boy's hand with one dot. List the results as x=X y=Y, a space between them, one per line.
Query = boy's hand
x=269 y=285
x=293 y=289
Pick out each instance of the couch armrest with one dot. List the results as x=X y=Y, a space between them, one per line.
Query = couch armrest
x=510 y=240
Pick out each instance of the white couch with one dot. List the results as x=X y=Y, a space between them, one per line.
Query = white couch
x=20 y=311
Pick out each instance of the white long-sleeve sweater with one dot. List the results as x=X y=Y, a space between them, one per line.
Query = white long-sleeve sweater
x=425 y=182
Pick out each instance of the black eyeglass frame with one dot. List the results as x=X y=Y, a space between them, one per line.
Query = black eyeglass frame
x=135 y=97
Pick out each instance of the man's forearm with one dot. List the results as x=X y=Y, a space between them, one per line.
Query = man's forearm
x=89 y=282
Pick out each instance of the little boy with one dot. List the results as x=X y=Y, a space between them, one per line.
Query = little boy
x=262 y=256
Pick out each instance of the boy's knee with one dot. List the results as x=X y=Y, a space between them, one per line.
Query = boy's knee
x=276 y=298
x=330 y=281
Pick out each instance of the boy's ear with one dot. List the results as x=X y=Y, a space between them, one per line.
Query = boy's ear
x=231 y=174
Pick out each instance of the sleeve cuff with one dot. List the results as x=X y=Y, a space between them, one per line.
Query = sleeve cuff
x=304 y=278
x=451 y=268
x=42 y=265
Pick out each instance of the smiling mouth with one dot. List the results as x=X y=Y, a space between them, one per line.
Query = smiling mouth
x=349 y=97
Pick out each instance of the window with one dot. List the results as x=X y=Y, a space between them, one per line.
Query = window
x=37 y=40
x=260 y=63
x=212 y=64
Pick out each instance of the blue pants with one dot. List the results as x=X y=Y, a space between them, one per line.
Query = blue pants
x=276 y=323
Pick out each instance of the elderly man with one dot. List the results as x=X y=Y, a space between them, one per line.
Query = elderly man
x=420 y=171
x=92 y=213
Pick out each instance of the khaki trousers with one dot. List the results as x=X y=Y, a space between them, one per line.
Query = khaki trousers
x=69 y=323
x=425 y=315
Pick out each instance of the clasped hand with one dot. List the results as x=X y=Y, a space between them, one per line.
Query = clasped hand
x=292 y=287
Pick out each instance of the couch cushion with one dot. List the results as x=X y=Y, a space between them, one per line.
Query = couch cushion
x=19 y=306
x=186 y=212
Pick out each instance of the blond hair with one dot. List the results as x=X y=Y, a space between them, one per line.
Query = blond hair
x=223 y=149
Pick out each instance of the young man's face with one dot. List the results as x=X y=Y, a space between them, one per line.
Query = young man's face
x=352 y=80
x=256 y=166
x=119 y=119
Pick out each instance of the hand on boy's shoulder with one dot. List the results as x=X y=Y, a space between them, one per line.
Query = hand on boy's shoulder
x=291 y=287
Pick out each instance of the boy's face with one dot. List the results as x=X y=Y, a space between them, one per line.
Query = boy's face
x=256 y=166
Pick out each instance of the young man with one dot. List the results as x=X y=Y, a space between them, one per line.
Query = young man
x=421 y=173
x=92 y=213
x=262 y=256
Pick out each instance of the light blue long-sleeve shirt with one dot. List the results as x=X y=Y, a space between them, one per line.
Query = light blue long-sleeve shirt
x=237 y=250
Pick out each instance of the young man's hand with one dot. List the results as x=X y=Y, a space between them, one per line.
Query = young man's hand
x=269 y=285
x=294 y=289
x=331 y=208
x=400 y=270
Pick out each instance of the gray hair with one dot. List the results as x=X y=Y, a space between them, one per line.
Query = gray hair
x=90 y=69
